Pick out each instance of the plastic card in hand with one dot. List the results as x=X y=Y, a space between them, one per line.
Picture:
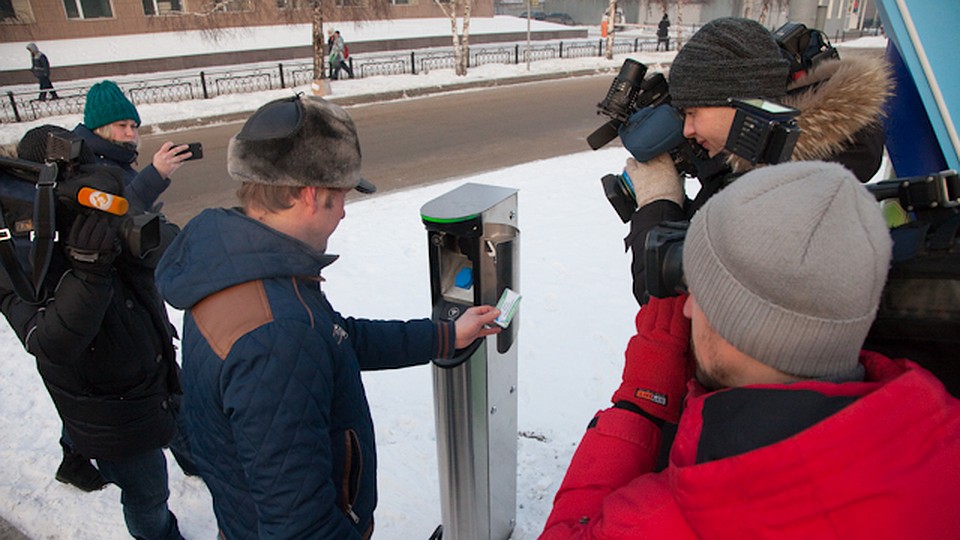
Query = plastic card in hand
x=508 y=304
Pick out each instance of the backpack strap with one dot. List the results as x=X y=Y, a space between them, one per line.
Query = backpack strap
x=43 y=237
x=11 y=265
x=44 y=223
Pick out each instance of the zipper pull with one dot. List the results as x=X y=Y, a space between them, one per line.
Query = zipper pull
x=353 y=516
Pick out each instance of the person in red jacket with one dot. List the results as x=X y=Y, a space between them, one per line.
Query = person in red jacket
x=788 y=429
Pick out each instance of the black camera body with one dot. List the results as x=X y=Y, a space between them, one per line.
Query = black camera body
x=629 y=92
x=762 y=131
x=663 y=259
x=641 y=115
x=37 y=199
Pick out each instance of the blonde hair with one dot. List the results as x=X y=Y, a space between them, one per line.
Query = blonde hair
x=105 y=132
x=268 y=198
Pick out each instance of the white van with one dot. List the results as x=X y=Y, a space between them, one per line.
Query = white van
x=617 y=20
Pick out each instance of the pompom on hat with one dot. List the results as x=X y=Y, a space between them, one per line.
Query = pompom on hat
x=106 y=104
x=788 y=264
x=298 y=141
x=728 y=57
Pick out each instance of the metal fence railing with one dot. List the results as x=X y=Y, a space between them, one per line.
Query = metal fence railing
x=25 y=105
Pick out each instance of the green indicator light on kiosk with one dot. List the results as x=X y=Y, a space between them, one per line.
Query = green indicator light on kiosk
x=448 y=220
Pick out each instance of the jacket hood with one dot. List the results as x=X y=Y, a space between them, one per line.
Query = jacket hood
x=223 y=247
x=836 y=100
x=793 y=484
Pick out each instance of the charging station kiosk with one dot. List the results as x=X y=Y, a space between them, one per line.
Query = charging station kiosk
x=473 y=243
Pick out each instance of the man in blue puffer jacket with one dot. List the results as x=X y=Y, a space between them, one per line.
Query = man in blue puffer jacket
x=271 y=372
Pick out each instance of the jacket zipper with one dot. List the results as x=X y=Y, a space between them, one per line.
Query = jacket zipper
x=351 y=474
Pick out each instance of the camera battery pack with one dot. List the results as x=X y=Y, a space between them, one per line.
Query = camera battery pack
x=508 y=305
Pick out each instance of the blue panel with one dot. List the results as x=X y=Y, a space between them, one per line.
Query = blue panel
x=910 y=139
x=925 y=37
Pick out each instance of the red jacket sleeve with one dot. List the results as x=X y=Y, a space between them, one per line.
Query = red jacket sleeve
x=609 y=490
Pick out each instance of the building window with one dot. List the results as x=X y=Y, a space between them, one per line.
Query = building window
x=292 y=4
x=6 y=10
x=230 y=5
x=400 y=2
x=88 y=9
x=348 y=3
x=161 y=7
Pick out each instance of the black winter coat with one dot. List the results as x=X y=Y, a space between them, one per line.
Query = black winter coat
x=104 y=350
x=40 y=66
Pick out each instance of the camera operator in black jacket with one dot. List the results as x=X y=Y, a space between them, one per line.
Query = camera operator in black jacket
x=103 y=345
x=840 y=101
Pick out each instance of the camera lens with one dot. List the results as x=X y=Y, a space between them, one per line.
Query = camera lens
x=632 y=72
x=623 y=91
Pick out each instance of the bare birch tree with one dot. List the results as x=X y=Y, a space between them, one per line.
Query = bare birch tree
x=611 y=29
x=319 y=52
x=679 y=24
x=461 y=36
x=764 y=10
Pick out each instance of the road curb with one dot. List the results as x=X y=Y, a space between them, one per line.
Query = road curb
x=362 y=99
x=9 y=532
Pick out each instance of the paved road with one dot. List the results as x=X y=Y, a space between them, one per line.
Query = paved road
x=423 y=140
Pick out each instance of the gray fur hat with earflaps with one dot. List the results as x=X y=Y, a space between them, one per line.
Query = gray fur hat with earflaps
x=298 y=141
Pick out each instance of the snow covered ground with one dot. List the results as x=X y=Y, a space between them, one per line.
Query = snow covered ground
x=577 y=316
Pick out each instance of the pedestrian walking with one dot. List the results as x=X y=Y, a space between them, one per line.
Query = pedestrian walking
x=663 y=33
x=338 y=55
x=41 y=70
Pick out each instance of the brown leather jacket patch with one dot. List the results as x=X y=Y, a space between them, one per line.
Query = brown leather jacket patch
x=226 y=316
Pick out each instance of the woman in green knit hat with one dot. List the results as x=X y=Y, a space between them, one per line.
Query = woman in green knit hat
x=110 y=129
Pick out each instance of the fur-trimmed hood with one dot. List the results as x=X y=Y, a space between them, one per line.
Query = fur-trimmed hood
x=837 y=99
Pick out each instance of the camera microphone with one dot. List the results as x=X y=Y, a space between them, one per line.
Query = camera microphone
x=100 y=200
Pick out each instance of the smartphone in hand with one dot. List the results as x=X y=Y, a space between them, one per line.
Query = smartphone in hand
x=196 y=149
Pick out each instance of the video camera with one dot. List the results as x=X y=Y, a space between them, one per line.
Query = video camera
x=640 y=113
x=762 y=132
x=34 y=196
x=934 y=199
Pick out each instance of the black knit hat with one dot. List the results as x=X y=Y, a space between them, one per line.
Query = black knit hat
x=728 y=58
x=35 y=144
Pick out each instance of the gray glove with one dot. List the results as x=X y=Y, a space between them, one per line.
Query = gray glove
x=655 y=180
